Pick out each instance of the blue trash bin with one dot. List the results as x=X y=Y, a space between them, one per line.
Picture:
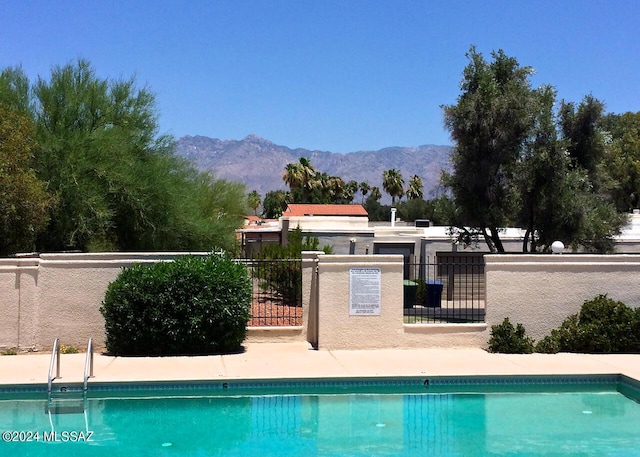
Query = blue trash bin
x=434 y=294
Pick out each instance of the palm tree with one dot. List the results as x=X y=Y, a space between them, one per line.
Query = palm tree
x=364 y=189
x=336 y=187
x=254 y=200
x=308 y=172
x=293 y=175
x=415 y=188
x=393 y=184
x=375 y=193
x=350 y=190
x=302 y=179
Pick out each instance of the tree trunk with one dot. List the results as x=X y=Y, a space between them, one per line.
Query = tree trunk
x=495 y=238
x=490 y=243
x=525 y=242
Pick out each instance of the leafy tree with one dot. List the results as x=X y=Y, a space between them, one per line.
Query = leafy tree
x=415 y=188
x=14 y=90
x=275 y=202
x=445 y=211
x=117 y=182
x=25 y=204
x=518 y=162
x=415 y=208
x=580 y=126
x=548 y=210
x=489 y=123
x=598 y=220
x=623 y=158
x=375 y=210
x=393 y=184
x=254 y=201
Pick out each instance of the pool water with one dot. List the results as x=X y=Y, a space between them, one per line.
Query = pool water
x=422 y=420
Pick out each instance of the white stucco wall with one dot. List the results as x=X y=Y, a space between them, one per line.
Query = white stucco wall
x=18 y=280
x=337 y=329
x=333 y=223
x=59 y=295
x=540 y=291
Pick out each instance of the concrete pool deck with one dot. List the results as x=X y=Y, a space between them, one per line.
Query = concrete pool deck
x=298 y=360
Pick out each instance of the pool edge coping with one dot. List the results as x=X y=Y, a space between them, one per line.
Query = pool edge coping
x=248 y=384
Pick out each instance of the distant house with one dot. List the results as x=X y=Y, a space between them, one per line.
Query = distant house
x=313 y=217
x=308 y=209
x=333 y=225
x=346 y=229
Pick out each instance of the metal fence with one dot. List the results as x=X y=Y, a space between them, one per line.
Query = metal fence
x=277 y=291
x=448 y=288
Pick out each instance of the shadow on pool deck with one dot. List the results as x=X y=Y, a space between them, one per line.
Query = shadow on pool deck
x=298 y=360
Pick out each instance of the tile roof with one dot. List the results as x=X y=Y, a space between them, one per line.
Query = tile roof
x=324 y=210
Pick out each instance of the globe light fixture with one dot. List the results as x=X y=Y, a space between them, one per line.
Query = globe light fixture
x=557 y=247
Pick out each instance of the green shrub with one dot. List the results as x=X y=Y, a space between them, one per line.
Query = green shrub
x=283 y=276
x=509 y=340
x=192 y=305
x=602 y=326
x=560 y=339
x=548 y=344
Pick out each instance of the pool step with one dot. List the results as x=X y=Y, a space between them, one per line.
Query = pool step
x=66 y=400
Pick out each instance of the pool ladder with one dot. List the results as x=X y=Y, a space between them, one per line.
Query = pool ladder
x=64 y=401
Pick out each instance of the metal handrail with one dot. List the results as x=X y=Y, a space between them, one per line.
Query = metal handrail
x=88 y=364
x=55 y=357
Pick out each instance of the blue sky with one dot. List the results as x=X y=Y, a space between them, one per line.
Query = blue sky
x=329 y=75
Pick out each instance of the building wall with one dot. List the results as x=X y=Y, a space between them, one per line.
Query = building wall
x=311 y=223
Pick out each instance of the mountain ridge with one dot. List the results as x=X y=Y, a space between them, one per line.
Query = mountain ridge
x=260 y=164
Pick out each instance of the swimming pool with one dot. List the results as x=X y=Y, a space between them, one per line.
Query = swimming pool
x=471 y=416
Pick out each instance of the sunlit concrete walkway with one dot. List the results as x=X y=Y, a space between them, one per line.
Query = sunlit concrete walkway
x=298 y=360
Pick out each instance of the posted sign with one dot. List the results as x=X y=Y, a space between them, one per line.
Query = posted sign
x=364 y=291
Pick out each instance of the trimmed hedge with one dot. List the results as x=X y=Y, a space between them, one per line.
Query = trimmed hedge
x=192 y=305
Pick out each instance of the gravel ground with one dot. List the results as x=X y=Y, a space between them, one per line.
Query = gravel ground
x=272 y=313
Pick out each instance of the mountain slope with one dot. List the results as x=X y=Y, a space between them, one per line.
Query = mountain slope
x=260 y=164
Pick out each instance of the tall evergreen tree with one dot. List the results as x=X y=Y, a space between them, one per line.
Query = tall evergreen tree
x=623 y=158
x=516 y=162
x=489 y=124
